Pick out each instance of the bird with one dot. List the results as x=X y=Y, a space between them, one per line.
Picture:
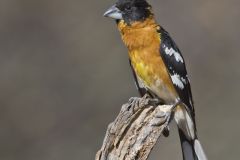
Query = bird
x=158 y=67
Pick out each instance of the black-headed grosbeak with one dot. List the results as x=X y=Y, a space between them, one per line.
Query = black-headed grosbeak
x=158 y=67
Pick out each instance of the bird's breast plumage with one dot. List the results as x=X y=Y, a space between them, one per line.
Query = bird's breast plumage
x=143 y=43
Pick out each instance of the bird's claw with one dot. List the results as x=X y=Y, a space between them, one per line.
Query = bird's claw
x=134 y=102
x=155 y=102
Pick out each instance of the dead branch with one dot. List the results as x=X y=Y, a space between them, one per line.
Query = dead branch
x=135 y=130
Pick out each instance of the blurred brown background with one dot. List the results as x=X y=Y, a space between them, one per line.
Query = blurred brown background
x=65 y=74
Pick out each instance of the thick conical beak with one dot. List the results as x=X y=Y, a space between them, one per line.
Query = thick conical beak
x=113 y=12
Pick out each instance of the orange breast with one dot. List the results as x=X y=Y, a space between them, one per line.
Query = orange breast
x=143 y=42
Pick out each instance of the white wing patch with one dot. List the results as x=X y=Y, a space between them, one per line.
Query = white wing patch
x=183 y=80
x=171 y=52
x=178 y=80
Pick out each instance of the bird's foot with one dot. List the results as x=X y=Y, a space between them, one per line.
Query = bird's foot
x=155 y=102
x=134 y=101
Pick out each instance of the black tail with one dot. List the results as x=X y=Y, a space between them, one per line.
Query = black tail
x=191 y=146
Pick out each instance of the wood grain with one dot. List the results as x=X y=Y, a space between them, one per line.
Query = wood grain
x=135 y=131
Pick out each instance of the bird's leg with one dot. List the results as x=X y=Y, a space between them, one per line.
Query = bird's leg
x=134 y=101
x=155 y=102
x=146 y=100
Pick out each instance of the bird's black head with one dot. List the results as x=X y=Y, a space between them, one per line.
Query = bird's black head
x=129 y=10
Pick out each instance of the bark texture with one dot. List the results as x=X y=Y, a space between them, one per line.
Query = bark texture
x=135 y=130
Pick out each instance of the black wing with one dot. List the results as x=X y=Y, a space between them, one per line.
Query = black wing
x=174 y=61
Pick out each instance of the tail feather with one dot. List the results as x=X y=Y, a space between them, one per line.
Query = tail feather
x=187 y=147
x=199 y=150
x=191 y=149
x=191 y=146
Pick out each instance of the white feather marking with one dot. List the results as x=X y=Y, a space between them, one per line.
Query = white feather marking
x=190 y=100
x=171 y=52
x=199 y=150
x=184 y=80
x=177 y=80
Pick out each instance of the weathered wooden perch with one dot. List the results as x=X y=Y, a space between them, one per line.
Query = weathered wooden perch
x=135 y=130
